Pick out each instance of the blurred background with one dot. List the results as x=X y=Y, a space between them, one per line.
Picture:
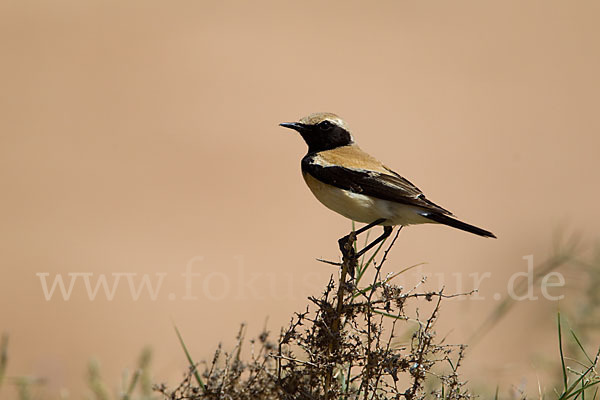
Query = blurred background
x=140 y=139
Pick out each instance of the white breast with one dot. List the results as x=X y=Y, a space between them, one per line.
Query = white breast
x=361 y=208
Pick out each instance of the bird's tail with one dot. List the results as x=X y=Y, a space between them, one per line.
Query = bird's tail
x=446 y=220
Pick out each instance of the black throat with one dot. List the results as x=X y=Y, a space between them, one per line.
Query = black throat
x=318 y=140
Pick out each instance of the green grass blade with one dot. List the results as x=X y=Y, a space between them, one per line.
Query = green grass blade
x=190 y=360
x=569 y=392
x=134 y=380
x=394 y=316
x=361 y=271
x=362 y=261
x=581 y=346
x=23 y=385
x=355 y=245
x=364 y=291
x=562 y=356
x=144 y=361
x=3 y=356
x=95 y=382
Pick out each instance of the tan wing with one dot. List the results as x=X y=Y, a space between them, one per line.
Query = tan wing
x=351 y=168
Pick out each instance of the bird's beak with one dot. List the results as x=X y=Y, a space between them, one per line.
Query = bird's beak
x=297 y=126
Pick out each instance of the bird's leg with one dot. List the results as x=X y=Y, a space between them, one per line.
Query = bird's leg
x=387 y=231
x=343 y=241
x=347 y=244
x=369 y=226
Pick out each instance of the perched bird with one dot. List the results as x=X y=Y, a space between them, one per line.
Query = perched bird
x=358 y=186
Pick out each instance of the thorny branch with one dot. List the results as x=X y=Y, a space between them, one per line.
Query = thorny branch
x=346 y=345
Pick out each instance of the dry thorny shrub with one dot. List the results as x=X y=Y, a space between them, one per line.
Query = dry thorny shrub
x=345 y=345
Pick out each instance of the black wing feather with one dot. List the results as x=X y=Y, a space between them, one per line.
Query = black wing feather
x=392 y=186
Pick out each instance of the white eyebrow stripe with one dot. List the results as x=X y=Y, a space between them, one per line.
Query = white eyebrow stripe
x=315 y=118
x=339 y=122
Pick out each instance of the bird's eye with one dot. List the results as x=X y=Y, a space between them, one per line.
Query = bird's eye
x=325 y=125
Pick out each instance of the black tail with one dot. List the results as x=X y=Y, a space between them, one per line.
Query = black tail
x=446 y=220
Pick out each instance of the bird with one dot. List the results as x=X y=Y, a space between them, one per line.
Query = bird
x=361 y=188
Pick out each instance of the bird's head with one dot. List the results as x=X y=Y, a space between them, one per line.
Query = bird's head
x=322 y=131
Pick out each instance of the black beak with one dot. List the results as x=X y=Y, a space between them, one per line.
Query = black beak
x=297 y=126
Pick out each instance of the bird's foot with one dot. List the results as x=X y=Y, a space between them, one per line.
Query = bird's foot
x=349 y=256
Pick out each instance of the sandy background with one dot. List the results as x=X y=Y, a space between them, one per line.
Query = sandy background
x=142 y=137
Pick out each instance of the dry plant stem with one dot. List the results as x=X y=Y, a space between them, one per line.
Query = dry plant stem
x=349 y=261
x=424 y=342
x=342 y=331
x=368 y=367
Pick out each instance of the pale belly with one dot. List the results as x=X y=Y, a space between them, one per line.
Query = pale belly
x=361 y=208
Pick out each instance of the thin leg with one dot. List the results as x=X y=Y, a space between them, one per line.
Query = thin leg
x=372 y=224
x=342 y=242
x=387 y=231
